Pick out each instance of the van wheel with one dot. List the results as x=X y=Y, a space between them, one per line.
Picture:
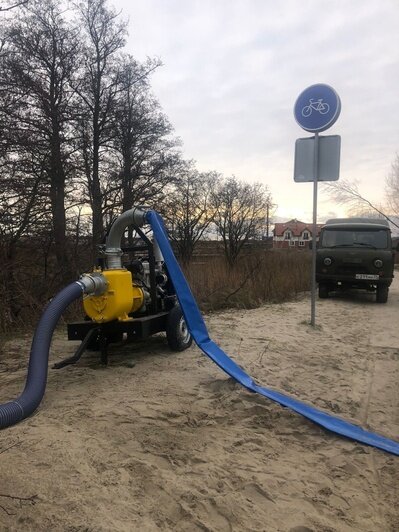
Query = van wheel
x=382 y=294
x=177 y=333
x=323 y=291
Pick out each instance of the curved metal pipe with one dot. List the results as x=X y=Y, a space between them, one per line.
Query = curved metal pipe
x=113 y=252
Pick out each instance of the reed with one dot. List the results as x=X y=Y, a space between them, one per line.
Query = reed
x=259 y=276
x=265 y=276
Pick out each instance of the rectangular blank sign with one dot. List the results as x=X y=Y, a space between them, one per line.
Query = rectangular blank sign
x=329 y=159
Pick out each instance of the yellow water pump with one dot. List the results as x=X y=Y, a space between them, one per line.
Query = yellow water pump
x=121 y=298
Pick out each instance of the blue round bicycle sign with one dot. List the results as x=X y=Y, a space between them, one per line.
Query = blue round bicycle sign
x=317 y=108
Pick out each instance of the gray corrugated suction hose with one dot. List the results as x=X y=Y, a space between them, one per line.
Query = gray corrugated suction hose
x=15 y=411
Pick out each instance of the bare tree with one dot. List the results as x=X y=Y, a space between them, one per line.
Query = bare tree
x=347 y=193
x=392 y=187
x=97 y=88
x=35 y=84
x=240 y=212
x=10 y=4
x=146 y=152
x=189 y=213
x=23 y=208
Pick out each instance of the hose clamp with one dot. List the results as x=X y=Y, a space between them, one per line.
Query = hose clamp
x=93 y=284
x=140 y=215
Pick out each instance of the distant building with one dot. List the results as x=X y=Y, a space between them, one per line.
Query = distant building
x=294 y=234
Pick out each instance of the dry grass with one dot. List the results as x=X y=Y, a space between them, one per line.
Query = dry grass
x=260 y=276
x=267 y=276
x=28 y=283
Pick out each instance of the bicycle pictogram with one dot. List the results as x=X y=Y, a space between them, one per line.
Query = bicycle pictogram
x=315 y=105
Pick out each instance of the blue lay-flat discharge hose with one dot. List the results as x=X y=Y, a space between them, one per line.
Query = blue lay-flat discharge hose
x=17 y=410
x=199 y=332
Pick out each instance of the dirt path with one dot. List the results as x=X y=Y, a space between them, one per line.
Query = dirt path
x=161 y=441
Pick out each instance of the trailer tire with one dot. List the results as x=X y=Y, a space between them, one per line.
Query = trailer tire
x=177 y=333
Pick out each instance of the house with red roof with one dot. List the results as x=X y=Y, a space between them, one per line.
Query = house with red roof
x=294 y=234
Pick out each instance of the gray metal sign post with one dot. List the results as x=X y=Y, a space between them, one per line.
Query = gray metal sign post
x=316 y=109
x=314 y=230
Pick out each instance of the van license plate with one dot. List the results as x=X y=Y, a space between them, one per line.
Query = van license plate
x=367 y=276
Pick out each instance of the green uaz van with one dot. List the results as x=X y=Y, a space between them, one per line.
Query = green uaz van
x=355 y=253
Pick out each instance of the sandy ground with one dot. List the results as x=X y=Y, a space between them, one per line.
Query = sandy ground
x=166 y=441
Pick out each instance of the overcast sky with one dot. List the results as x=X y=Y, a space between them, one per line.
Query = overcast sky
x=232 y=70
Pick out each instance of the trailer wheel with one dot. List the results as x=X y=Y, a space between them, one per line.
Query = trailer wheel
x=177 y=333
x=382 y=294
